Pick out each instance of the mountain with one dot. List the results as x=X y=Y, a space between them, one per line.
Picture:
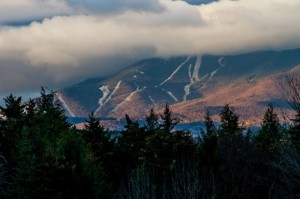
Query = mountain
x=191 y=84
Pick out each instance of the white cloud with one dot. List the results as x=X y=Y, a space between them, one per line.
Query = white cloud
x=68 y=47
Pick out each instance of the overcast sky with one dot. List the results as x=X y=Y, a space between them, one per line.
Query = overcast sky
x=56 y=43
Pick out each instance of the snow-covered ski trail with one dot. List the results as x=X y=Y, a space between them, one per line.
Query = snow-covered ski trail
x=152 y=100
x=194 y=77
x=129 y=97
x=220 y=62
x=175 y=71
x=105 y=90
x=171 y=95
x=103 y=101
x=65 y=106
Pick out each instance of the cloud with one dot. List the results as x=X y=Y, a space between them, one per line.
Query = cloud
x=64 y=49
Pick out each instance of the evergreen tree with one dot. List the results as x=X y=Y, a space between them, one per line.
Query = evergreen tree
x=75 y=174
x=230 y=122
x=11 y=127
x=269 y=135
x=152 y=121
x=168 y=122
x=98 y=139
x=13 y=107
x=209 y=144
x=50 y=117
x=25 y=182
x=132 y=142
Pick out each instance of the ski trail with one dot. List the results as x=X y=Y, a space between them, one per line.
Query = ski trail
x=175 y=71
x=104 y=101
x=141 y=72
x=171 y=95
x=212 y=74
x=151 y=99
x=65 y=106
x=105 y=90
x=128 y=98
x=194 y=77
x=196 y=69
x=220 y=62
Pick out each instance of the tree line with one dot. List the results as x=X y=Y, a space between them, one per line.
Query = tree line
x=43 y=156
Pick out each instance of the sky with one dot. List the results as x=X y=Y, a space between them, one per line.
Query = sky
x=56 y=43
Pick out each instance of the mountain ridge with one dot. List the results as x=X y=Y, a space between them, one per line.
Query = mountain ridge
x=151 y=83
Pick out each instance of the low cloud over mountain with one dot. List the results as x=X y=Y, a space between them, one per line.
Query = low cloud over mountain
x=78 y=39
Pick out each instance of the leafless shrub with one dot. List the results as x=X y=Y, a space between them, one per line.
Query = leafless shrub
x=291 y=90
x=139 y=186
x=288 y=167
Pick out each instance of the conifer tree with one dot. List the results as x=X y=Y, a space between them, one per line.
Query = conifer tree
x=168 y=122
x=152 y=121
x=269 y=135
x=97 y=138
x=13 y=107
x=210 y=129
x=230 y=122
x=209 y=144
x=11 y=127
x=132 y=142
x=25 y=179
x=50 y=116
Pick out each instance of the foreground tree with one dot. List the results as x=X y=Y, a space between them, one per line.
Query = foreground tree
x=209 y=145
x=270 y=134
x=230 y=128
x=292 y=94
x=97 y=138
x=11 y=127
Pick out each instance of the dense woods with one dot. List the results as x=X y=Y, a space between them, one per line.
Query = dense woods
x=43 y=156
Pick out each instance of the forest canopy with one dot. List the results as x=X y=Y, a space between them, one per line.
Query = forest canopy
x=43 y=156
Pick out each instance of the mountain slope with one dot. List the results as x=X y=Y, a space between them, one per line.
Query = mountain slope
x=190 y=83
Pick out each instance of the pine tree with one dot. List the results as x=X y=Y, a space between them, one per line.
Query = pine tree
x=11 y=127
x=210 y=129
x=269 y=135
x=152 y=121
x=230 y=126
x=168 y=122
x=50 y=117
x=13 y=107
x=97 y=138
x=25 y=179
x=209 y=144
x=132 y=142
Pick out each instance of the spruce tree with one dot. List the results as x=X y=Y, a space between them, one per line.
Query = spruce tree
x=230 y=126
x=98 y=139
x=269 y=135
x=168 y=122
x=11 y=127
x=152 y=121
x=25 y=182
x=209 y=144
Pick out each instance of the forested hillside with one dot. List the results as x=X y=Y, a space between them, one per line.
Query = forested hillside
x=190 y=84
x=43 y=156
